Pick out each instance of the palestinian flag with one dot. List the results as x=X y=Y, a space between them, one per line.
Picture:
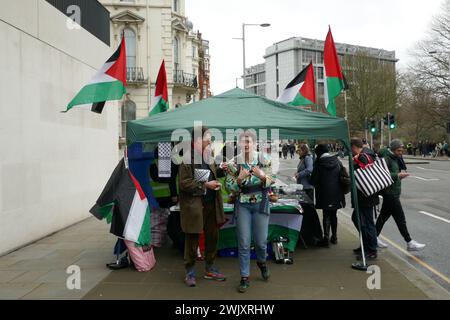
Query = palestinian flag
x=302 y=90
x=123 y=204
x=107 y=85
x=287 y=223
x=334 y=79
x=161 y=99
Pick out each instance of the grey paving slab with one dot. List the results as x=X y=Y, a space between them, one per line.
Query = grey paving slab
x=13 y=291
x=6 y=276
x=58 y=291
x=30 y=277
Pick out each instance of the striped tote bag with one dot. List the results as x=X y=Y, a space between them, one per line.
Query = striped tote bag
x=373 y=177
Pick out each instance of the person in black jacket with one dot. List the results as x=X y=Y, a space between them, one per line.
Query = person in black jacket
x=366 y=205
x=329 y=194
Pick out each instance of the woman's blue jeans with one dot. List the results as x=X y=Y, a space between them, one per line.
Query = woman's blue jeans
x=250 y=220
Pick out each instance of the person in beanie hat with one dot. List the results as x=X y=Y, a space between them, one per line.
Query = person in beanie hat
x=396 y=144
x=391 y=196
x=320 y=149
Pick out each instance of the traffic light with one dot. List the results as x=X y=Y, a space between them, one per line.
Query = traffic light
x=366 y=124
x=386 y=119
x=373 y=127
x=392 y=124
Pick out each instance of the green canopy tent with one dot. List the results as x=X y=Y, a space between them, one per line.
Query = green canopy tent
x=239 y=109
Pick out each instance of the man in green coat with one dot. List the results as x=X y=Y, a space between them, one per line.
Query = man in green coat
x=391 y=196
x=201 y=210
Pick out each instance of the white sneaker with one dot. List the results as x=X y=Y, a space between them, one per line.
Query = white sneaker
x=381 y=244
x=415 y=246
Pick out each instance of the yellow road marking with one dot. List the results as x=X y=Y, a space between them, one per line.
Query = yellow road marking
x=419 y=261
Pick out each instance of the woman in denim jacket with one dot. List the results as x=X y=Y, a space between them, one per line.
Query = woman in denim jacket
x=304 y=170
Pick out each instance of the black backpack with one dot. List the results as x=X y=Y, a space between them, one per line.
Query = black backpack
x=344 y=179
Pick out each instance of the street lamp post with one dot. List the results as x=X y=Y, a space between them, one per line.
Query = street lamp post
x=264 y=25
x=366 y=127
x=389 y=128
x=345 y=105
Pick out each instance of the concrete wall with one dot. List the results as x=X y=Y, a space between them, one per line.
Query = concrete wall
x=271 y=82
x=53 y=165
x=286 y=67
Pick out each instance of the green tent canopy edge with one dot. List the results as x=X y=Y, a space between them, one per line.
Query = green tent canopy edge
x=238 y=109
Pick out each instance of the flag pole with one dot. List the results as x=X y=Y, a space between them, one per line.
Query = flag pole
x=345 y=104
x=126 y=158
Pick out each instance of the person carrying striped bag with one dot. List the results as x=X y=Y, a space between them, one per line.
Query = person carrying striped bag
x=366 y=205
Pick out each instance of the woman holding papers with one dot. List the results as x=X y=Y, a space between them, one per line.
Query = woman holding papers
x=249 y=179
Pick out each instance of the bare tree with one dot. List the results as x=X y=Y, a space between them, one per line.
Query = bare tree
x=433 y=55
x=415 y=122
x=372 y=91
x=429 y=74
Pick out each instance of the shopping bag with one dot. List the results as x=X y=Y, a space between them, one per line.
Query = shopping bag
x=373 y=177
x=142 y=257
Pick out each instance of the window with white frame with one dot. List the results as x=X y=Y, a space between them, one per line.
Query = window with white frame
x=308 y=56
x=130 y=44
x=128 y=114
x=318 y=73
x=176 y=53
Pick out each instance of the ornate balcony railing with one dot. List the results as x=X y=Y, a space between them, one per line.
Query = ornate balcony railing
x=135 y=75
x=186 y=79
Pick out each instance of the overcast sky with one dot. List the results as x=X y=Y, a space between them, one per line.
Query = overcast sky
x=386 y=24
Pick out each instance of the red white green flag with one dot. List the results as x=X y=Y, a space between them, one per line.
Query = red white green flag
x=108 y=84
x=334 y=79
x=123 y=204
x=161 y=99
x=301 y=91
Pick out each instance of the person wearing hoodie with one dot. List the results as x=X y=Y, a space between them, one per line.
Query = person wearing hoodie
x=329 y=194
x=391 y=196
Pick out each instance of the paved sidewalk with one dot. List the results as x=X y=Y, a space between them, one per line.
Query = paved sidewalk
x=38 y=271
